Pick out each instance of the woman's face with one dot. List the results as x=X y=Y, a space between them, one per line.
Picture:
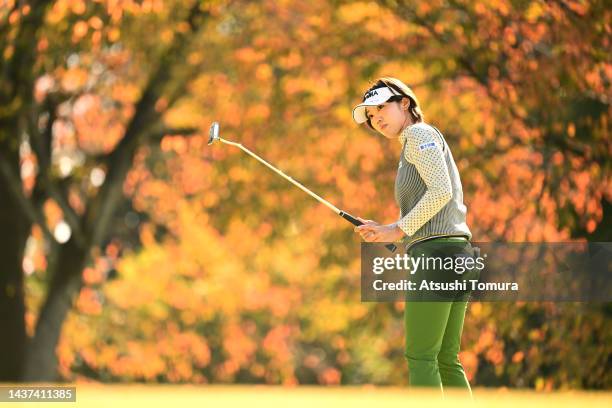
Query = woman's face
x=389 y=118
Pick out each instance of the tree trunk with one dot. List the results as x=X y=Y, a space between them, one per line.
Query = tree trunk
x=66 y=282
x=14 y=230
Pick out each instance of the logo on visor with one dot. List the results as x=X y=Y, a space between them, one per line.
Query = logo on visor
x=370 y=94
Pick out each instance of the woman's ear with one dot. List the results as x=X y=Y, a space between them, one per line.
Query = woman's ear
x=405 y=103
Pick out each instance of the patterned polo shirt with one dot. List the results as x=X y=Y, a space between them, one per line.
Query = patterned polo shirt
x=428 y=189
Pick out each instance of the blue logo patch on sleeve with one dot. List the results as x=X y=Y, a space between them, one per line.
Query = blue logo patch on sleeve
x=427 y=145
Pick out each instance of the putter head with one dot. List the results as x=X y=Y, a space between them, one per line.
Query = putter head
x=213 y=133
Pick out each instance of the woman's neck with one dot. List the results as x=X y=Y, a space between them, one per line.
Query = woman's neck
x=407 y=122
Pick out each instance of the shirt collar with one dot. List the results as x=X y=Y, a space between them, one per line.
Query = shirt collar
x=403 y=135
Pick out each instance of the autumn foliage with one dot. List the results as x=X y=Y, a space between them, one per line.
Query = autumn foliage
x=215 y=270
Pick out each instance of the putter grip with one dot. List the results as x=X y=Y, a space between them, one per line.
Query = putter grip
x=356 y=222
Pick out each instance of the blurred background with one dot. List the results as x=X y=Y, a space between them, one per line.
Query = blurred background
x=130 y=251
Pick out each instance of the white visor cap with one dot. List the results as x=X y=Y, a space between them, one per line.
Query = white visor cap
x=374 y=97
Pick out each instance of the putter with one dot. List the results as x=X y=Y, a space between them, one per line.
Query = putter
x=214 y=137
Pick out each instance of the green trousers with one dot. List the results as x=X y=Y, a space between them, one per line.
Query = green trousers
x=433 y=339
x=433 y=328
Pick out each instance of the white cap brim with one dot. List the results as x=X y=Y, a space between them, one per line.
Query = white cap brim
x=374 y=97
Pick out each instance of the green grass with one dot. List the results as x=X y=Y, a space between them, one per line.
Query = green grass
x=172 y=396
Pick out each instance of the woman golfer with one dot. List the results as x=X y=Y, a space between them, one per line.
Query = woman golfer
x=432 y=223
